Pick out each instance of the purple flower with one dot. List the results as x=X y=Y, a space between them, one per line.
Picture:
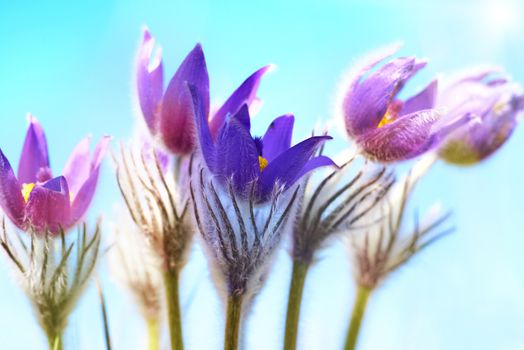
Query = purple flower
x=495 y=102
x=234 y=155
x=169 y=114
x=35 y=199
x=384 y=127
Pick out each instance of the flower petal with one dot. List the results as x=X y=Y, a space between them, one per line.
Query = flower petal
x=405 y=138
x=278 y=136
x=367 y=102
x=480 y=140
x=34 y=156
x=11 y=199
x=287 y=168
x=85 y=194
x=78 y=166
x=316 y=162
x=177 y=121
x=49 y=206
x=425 y=99
x=236 y=152
x=245 y=93
x=150 y=81
x=205 y=141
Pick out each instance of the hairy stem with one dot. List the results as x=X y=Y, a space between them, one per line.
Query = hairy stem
x=173 y=309
x=359 y=308
x=296 y=290
x=232 y=332
x=153 y=332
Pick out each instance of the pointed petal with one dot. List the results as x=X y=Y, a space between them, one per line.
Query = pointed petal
x=11 y=199
x=100 y=152
x=403 y=139
x=287 y=168
x=277 y=138
x=237 y=156
x=49 y=206
x=34 y=153
x=367 y=102
x=82 y=199
x=149 y=80
x=315 y=163
x=205 y=140
x=242 y=116
x=78 y=166
x=177 y=120
x=425 y=99
x=245 y=93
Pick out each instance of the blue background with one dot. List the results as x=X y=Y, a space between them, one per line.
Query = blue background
x=71 y=65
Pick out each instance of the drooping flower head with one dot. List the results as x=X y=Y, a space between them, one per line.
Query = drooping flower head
x=386 y=128
x=169 y=114
x=35 y=199
x=238 y=157
x=494 y=100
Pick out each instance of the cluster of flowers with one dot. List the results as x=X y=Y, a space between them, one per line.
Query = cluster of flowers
x=202 y=171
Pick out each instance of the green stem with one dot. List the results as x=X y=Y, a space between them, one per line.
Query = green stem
x=296 y=290
x=173 y=309
x=359 y=309
x=234 y=311
x=153 y=332
x=55 y=341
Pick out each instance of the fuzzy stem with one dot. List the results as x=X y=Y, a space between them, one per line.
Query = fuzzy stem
x=359 y=308
x=173 y=309
x=234 y=311
x=296 y=290
x=153 y=332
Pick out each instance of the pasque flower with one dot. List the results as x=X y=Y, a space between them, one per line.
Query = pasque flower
x=246 y=197
x=169 y=114
x=494 y=100
x=386 y=128
x=264 y=162
x=35 y=199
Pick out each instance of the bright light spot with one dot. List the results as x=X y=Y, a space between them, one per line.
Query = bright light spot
x=500 y=18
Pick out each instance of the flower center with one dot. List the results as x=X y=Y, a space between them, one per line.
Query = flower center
x=26 y=190
x=387 y=119
x=391 y=114
x=262 y=162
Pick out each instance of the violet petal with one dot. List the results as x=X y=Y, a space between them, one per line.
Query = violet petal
x=287 y=168
x=150 y=81
x=425 y=99
x=404 y=138
x=11 y=199
x=34 y=155
x=49 y=206
x=206 y=144
x=245 y=93
x=237 y=156
x=366 y=104
x=278 y=136
x=82 y=199
x=78 y=166
x=176 y=125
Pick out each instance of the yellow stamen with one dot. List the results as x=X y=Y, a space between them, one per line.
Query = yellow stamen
x=71 y=197
x=26 y=190
x=262 y=162
x=387 y=119
x=499 y=107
